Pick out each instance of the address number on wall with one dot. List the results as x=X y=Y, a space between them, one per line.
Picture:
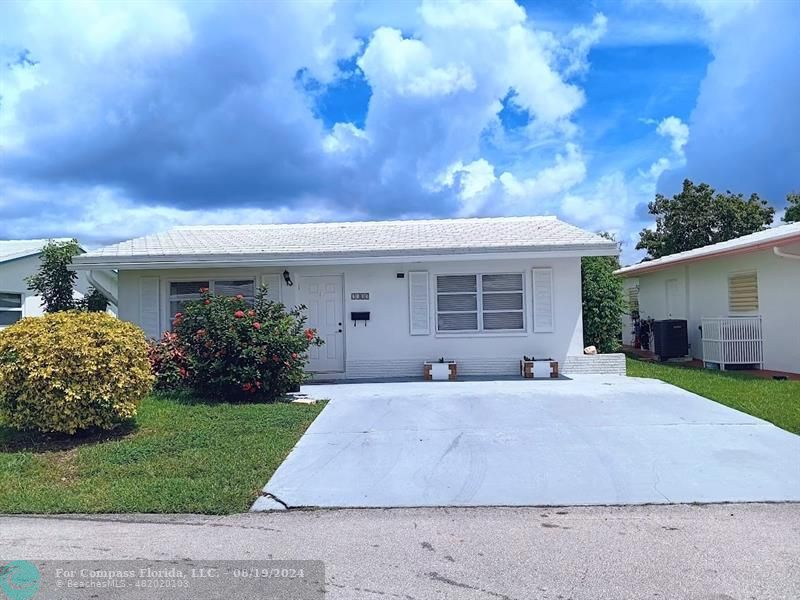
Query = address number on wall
x=359 y=296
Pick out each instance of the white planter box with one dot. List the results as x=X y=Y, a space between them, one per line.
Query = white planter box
x=541 y=368
x=440 y=371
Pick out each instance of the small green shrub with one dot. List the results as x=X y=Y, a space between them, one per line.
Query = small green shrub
x=68 y=371
x=236 y=352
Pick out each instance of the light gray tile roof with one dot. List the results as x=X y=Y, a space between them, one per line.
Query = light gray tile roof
x=762 y=239
x=357 y=239
x=12 y=249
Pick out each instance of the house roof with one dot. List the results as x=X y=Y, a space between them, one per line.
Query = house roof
x=318 y=242
x=769 y=238
x=14 y=249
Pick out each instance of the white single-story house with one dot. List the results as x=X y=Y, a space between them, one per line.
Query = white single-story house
x=384 y=296
x=741 y=298
x=20 y=259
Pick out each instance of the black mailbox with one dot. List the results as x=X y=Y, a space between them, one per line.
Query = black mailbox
x=359 y=316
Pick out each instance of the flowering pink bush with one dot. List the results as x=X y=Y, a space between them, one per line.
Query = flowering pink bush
x=237 y=352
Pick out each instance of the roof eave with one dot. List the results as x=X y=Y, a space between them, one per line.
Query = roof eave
x=233 y=260
x=646 y=267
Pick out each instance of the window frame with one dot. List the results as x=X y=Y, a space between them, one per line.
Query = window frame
x=202 y=279
x=20 y=310
x=480 y=311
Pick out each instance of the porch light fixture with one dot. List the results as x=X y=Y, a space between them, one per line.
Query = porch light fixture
x=287 y=278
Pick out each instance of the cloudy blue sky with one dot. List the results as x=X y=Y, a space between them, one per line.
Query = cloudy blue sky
x=119 y=119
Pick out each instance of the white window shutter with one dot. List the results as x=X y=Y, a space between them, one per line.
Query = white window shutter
x=149 y=306
x=273 y=283
x=543 y=305
x=418 y=303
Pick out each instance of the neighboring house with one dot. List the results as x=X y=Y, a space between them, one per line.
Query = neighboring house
x=20 y=259
x=743 y=293
x=484 y=292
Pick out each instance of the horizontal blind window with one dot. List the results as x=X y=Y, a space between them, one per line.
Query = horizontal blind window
x=743 y=293
x=456 y=283
x=458 y=302
x=10 y=300
x=475 y=303
x=504 y=282
x=245 y=287
x=502 y=320
x=183 y=292
x=502 y=301
x=10 y=308
x=457 y=321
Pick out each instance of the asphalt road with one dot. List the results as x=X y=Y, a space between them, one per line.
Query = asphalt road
x=739 y=551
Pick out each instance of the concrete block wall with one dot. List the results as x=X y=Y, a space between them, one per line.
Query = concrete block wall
x=595 y=364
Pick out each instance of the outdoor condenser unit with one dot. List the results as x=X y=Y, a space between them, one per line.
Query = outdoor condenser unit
x=671 y=338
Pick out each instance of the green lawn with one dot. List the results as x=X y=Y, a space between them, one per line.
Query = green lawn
x=178 y=457
x=774 y=401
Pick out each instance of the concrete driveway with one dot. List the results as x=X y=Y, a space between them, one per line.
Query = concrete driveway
x=591 y=440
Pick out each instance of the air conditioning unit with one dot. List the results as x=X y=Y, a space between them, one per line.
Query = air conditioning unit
x=671 y=338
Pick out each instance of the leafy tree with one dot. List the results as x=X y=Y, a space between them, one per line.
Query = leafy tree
x=792 y=214
x=55 y=282
x=700 y=216
x=603 y=301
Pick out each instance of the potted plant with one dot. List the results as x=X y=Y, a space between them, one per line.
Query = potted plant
x=440 y=370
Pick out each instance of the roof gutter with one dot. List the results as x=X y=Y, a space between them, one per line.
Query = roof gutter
x=778 y=252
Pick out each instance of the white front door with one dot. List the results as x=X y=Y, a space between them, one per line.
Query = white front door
x=323 y=297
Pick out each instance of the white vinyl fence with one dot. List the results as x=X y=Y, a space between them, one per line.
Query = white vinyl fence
x=733 y=341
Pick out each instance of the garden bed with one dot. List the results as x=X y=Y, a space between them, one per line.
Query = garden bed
x=179 y=457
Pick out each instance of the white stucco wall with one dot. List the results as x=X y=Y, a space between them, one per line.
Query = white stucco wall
x=385 y=347
x=703 y=292
x=12 y=279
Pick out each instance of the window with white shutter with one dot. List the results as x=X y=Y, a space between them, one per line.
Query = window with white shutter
x=543 y=308
x=743 y=293
x=480 y=303
x=418 y=303
x=183 y=292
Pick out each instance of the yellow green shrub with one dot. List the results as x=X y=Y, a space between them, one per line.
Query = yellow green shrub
x=72 y=370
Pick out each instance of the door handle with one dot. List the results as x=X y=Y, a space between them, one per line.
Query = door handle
x=340 y=331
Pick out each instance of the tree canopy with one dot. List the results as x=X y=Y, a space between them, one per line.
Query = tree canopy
x=699 y=216
x=792 y=214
